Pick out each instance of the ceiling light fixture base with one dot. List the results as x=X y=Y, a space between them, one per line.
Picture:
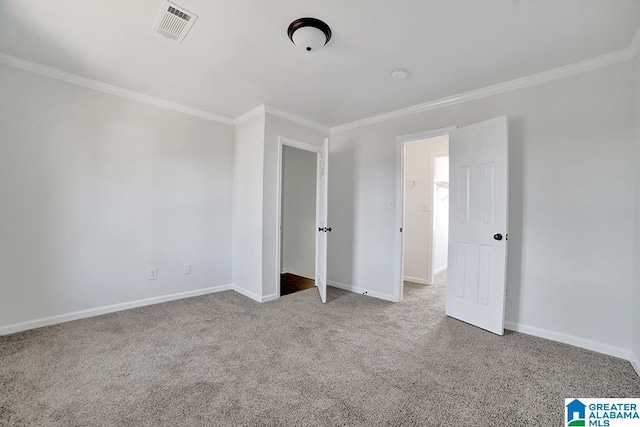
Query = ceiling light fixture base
x=309 y=34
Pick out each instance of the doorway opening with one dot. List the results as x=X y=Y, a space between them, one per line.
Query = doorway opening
x=475 y=285
x=426 y=210
x=297 y=217
x=422 y=209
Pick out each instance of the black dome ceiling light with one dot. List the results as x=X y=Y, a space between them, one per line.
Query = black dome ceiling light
x=309 y=34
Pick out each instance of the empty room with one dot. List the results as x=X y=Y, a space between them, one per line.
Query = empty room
x=421 y=213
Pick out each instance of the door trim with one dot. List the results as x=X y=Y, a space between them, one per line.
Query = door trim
x=282 y=141
x=398 y=287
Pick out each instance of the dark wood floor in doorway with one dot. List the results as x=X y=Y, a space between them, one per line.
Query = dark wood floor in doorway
x=290 y=283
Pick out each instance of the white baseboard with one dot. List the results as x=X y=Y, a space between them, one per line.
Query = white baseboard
x=571 y=340
x=247 y=293
x=362 y=291
x=83 y=314
x=439 y=270
x=268 y=298
x=421 y=281
x=76 y=315
x=635 y=362
x=253 y=295
x=416 y=280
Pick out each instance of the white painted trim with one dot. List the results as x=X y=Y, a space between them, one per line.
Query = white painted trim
x=361 y=291
x=431 y=238
x=279 y=216
x=580 y=67
x=255 y=112
x=416 y=280
x=254 y=296
x=65 y=76
x=398 y=288
x=635 y=362
x=271 y=297
x=296 y=119
x=521 y=83
x=568 y=339
x=426 y=134
x=246 y=293
x=299 y=144
x=83 y=314
x=439 y=270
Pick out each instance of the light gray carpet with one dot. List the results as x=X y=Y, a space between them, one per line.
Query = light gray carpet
x=223 y=359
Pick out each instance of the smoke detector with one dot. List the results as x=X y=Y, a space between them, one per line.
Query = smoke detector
x=399 y=74
x=174 y=22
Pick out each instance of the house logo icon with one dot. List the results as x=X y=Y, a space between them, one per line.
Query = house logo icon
x=576 y=413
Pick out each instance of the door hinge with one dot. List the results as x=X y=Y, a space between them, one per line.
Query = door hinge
x=401 y=229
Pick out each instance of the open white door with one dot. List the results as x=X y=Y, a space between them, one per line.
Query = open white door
x=478 y=209
x=321 y=220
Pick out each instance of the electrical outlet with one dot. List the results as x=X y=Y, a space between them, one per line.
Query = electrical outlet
x=507 y=293
x=187 y=269
x=153 y=273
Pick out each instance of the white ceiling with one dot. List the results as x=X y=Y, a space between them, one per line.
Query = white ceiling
x=238 y=56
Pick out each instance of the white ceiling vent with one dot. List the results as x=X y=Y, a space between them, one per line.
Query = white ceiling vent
x=174 y=22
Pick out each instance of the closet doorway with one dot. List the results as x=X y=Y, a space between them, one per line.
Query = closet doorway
x=298 y=219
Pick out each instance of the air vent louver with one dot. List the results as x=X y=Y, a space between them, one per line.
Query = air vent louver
x=174 y=22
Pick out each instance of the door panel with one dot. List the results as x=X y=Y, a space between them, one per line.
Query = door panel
x=479 y=206
x=322 y=230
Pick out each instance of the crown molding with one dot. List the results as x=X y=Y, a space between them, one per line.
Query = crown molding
x=296 y=119
x=263 y=109
x=65 y=76
x=521 y=83
x=580 y=67
x=259 y=110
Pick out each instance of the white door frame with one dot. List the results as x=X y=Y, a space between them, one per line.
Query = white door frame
x=398 y=288
x=434 y=218
x=282 y=141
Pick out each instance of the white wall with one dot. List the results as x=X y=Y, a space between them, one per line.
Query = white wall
x=276 y=127
x=636 y=303
x=418 y=206
x=299 y=211
x=571 y=176
x=94 y=189
x=255 y=200
x=441 y=221
x=248 y=168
